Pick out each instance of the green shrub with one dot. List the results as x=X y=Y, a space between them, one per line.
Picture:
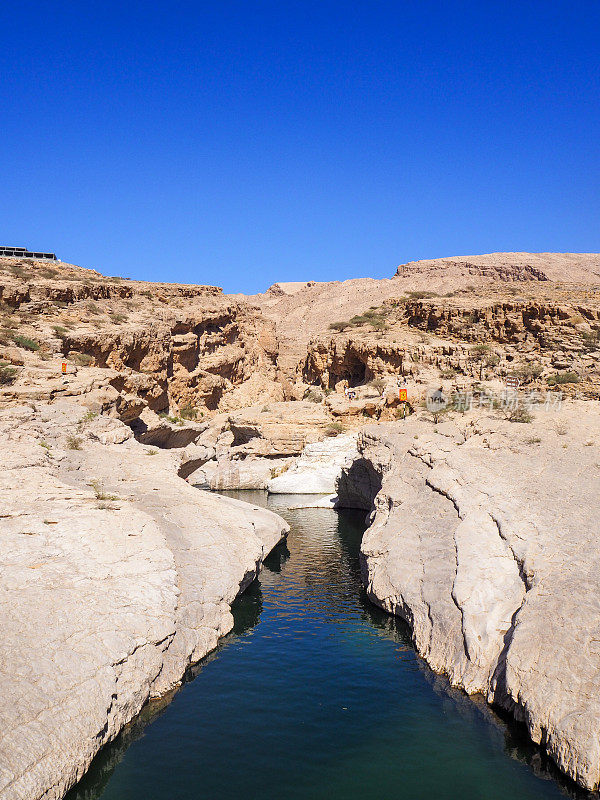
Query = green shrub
x=528 y=372
x=8 y=375
x=98 y=488
x=188 y=412
x=421 y=295
x=562 y=377
x=334 y=428
x=591 y=340
x=519 y=414
x=81 y=359
x=60 y=331
x=378 y=323
x=169 y=418
x=118 y=318
x=26 y=343
x=73 y=443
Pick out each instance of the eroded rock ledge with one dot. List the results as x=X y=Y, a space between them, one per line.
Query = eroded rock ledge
x=484 y=538
x=116 y=576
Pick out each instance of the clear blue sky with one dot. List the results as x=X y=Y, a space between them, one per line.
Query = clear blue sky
x=240 y=143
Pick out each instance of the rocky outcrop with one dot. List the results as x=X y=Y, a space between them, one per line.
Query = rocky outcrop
x=468 y=337
x=117 y=576
x=250 y=447
x=175 y=348
x=575 y=267
x=318 y=468
x=484 y=539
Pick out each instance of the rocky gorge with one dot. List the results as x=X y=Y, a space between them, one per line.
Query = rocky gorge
x=117 y=396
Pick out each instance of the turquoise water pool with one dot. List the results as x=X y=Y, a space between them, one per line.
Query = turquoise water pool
x=317 y=694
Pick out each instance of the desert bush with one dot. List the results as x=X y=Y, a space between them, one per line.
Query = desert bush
x=379 y=384
x=98 y=488
x=373 y=316
x=188 y=412
x=169 y=418
x=74 y=443
x=87 y=417
x=421 y=295
x=519 y=414
x=358 y=319
x=526 y=373
x=313 y=395
x=26 y=343
x=60 y=331
x=591 y=340
x=562 y=377
x=334 y=428
x=118 y=318
x=8 y=375
x=81 y=359
x=339 y=326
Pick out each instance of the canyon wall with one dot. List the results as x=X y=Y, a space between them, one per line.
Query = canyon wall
x=484 y=539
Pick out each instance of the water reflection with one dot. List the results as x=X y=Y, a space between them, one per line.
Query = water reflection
x=318 y=694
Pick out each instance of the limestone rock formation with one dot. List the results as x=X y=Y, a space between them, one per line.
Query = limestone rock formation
x=117 y=576
x=318 y=468
x=484 y=538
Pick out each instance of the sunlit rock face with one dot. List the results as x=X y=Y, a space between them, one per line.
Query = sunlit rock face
x=117 y=575
x=490 y=553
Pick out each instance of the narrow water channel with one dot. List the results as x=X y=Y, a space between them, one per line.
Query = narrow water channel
x=317 y=694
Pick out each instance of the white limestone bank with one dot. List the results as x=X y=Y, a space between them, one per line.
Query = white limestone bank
x=484 y=538
x=116 y=576
x=318 y=467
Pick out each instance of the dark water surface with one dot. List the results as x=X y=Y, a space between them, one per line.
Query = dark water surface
x=317 y=694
